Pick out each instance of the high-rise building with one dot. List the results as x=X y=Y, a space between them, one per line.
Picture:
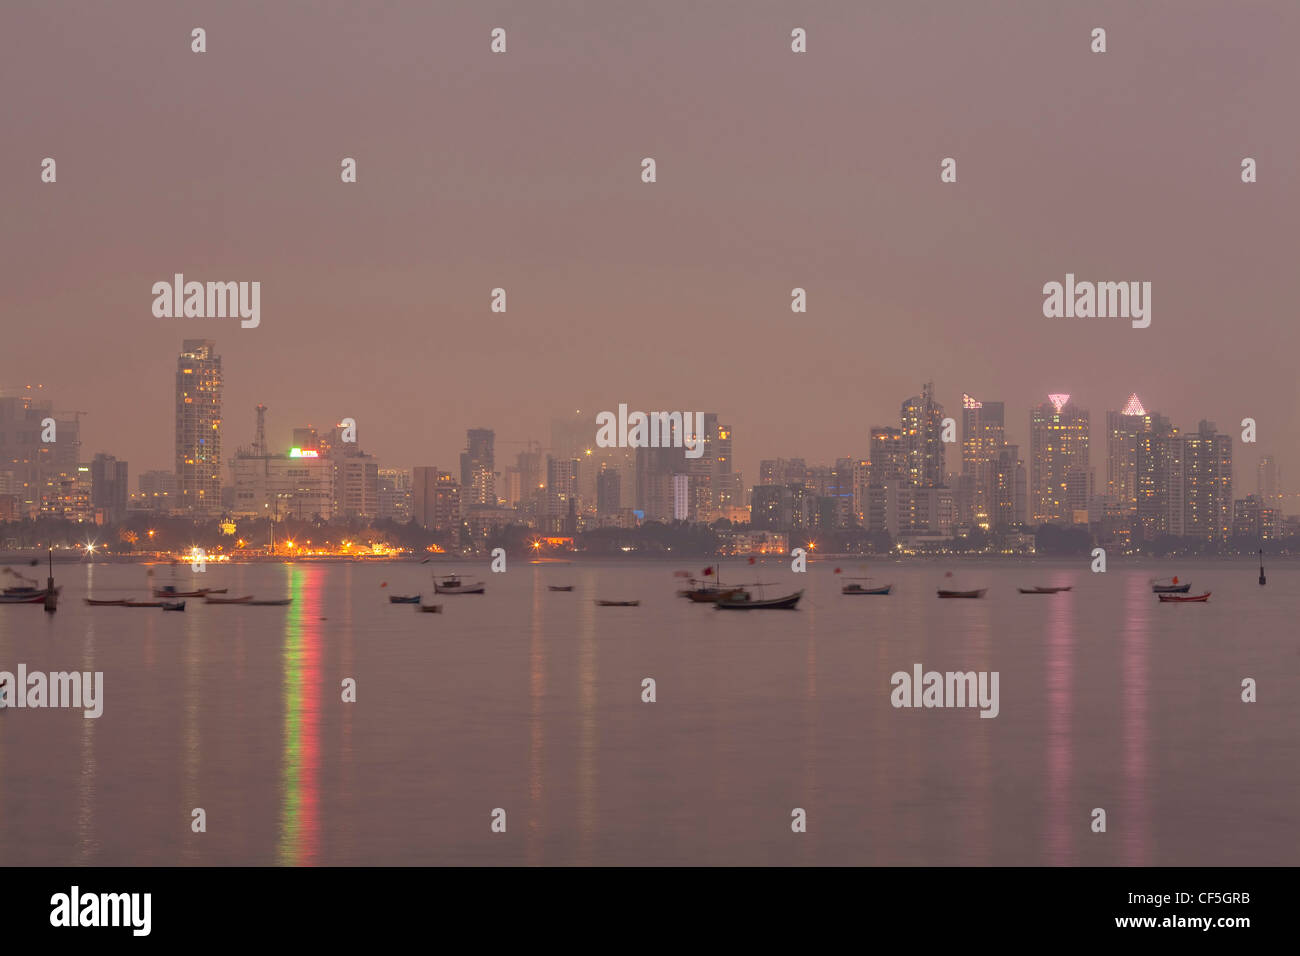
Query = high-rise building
x=356 y=486
x=435 y=499
x=1122 y=430
x=1059 y=471
x=1159 y=480
x=922 y=429
x=478 y=468
x=66 y=493
x=109 y=490
x=395 y=495
x=198 y=426
x=1207 y=483
x=608 y=490
x=1009 y=488
x=561 y=492
x=888 y=457
x=782 y=471
x=23 y=454
x=983 y=435
x=1266 y=482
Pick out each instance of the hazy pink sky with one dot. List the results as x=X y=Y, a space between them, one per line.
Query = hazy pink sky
x=775 y=170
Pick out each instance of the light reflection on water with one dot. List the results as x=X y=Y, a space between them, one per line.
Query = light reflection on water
x=530 y=700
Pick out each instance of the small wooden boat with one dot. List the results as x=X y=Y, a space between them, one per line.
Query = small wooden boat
x=978 y=593
x=142 y=604
x=169 y=591
x=120 y=602
x=1043 y=590
x=236 y=600
x=559 y=587
x=431 y=608
x=1184 y=598
x=37 y=598
x=860 y=589
x=618 y=603
x=452 y=584
x=403 y=599
x=173 y=605
x=26 y=592
x=749 y=603
x=1173 y=587
x=278 y=602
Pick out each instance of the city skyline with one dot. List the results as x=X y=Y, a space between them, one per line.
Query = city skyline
x=281 y=436
x=1157 y=478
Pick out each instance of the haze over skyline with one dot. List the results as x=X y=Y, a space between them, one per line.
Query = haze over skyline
x=775 y=170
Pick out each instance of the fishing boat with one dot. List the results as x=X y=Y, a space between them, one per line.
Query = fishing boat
x=28 y=589
x=978 y=593
x=119 y=602
x=712 y=593
x=142 y=604
x=37 y=597
x=235 y=600
x=749 y=603
x=173 y=605
x=856 y=588
x=452 y=584
x=1173 y=587
x=169 y=591
x=559 y=587
x=618 y=603
x=274 y=602
x=403 y=599
x=431 y=608
x=1042 y=590
x=1184 y=598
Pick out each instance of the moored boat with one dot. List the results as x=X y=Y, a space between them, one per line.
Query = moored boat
x=977 y=593
x=1042 y=590
x=860 y=589
x=559 y=587
x=452 y=584
x=618 y=603
x=1184 y=598
x=1173 y=587
x=173 y=605
x=37 y=598
x=712 y=594
x=431 y=608
x=169 y=591
x=749 y=603
x=142 y=604
x=403 y=599
x=272 y=602
x=235 y=600
x=119 y=602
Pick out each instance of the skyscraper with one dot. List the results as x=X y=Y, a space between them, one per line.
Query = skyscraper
x=1207 y=483
x=1159 y=480
x=922 y=430
x=888 y=457
x=983 y=435
x=108 y=487
x=478 y=468
x=1122 y=430
x=1059 y=473
x=1266 y=482
x=198 y=426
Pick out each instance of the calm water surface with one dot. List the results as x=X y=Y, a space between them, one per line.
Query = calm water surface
x=530 y=700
